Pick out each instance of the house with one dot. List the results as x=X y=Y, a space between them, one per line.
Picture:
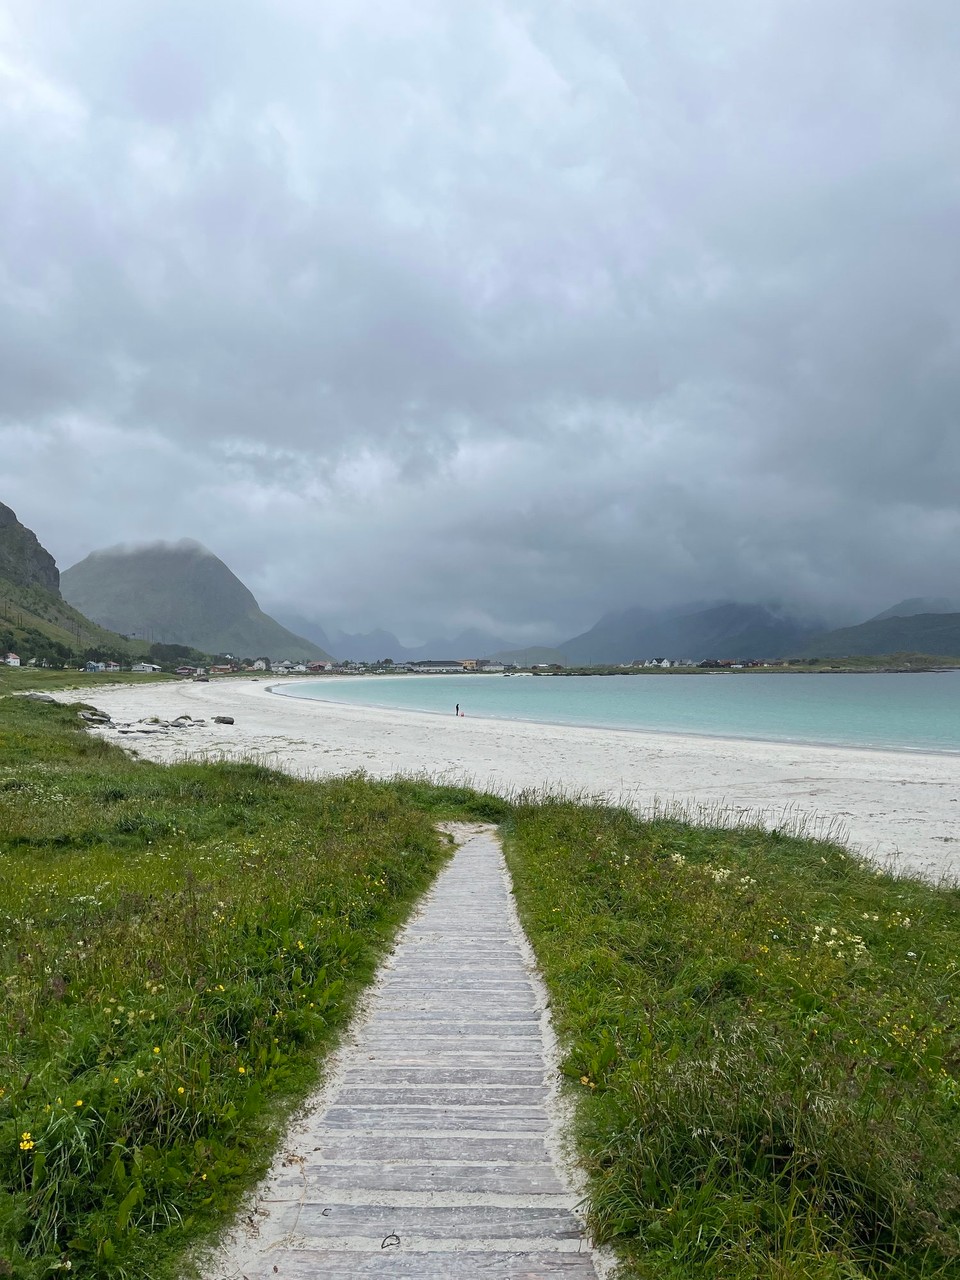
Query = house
x=221 y=669
x=112 y=666
x=12 y=660
x=146 y=667
x=435 y=665
x=186 y=671
x=488 y=664
x=262 y=664
x=319 y=666
x=97 y=666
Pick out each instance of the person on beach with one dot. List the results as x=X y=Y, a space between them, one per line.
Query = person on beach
x=456 y=710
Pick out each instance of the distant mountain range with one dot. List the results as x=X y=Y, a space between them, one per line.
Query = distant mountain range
x=373 y=646
x=182 y=593
x=179 y=593
x=696 y=631
x=916 y=606
x=933 y=634
x=700 y=630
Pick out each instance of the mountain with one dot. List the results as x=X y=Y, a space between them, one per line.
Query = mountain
x=372 y=646
x=23 y=561
x=306 y=627
x=35 y=620
x=471 y=643
x=369 y=646
x=531 y=656
x=179 y=593
x=932 y=634
x=725 y=630
x=917 y=605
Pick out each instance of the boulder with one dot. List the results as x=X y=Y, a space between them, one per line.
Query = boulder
x=94 y=717
x=223 y=719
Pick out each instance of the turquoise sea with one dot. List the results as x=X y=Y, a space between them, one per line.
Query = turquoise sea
x=912 y=711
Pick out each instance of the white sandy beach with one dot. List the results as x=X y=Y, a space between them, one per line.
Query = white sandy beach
x=900 y=808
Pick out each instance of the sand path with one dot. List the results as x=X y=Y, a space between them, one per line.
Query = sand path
x=902 y=808
x=430 y=1154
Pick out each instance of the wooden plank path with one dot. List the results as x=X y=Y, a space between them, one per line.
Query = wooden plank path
x=432 y=1158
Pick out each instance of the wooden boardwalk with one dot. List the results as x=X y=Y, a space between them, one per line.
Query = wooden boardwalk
x=431 y=1157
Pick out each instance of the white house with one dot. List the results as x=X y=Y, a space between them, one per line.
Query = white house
x=147 y=667
x=12 y=660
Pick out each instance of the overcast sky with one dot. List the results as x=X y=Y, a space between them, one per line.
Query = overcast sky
x=432 y=314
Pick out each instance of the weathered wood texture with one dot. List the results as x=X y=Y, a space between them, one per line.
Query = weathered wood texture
x=432 y=1158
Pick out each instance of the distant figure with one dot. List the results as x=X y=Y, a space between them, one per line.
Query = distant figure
x=457 y=710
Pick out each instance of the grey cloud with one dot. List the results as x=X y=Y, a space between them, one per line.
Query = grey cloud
x=509 y=313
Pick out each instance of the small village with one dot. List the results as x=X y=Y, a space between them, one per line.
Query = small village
x=426 y=666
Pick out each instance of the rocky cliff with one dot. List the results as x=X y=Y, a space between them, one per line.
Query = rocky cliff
x=23 y=561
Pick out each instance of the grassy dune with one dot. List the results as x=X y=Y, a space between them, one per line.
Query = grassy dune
x=764 y=1036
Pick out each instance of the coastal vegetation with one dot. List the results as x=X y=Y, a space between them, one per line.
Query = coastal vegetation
x=178 y=946
x=39 y=679
x=761 y=1034
x=764 y=1035
x=880 y=662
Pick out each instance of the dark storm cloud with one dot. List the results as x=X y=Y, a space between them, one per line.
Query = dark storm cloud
x=499 y=315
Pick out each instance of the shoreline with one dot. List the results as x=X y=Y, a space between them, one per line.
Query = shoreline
x=948 y=753
x=900 y=809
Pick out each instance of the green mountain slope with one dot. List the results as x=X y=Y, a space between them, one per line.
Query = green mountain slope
x=35 y=622
x=179 y=593
x=936 y=634
x=29 y=612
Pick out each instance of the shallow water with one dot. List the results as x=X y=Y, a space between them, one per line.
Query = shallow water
x=910 y=711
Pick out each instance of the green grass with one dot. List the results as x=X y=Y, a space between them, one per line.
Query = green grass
x=22 y=679
x=763 y=1035
x=178 y=945
x=764 y=1040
